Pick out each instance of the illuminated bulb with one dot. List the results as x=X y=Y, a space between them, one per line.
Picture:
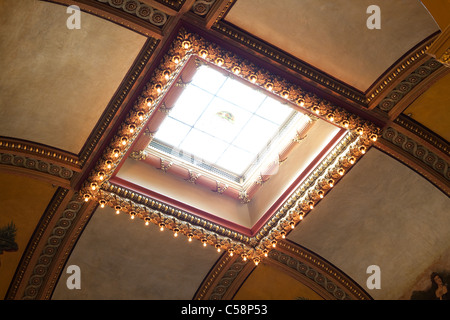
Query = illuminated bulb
x=360 y=131
x=102 y=203
x=302 y=104
x=331 y=183
x=93 y=186
x=236 y=70
x=109 y=164
x=256 y=261
x=362 y=149
x=158 y=88
x=204 y=242
x=311 y=204
x=283 y=234
x=274 y=243
x=316 y=110
x=285 y=94
x=176 y=59
x=253 y=79
x=190 y=236
x=341 y=172
x=292 y=224
x=161 y=226
x=124 y=141
x=86 y=197
x=269 y=86
x=186 y=44
x=320 y=194
x=330 y=117
x=373 y=137
x=131 y=128
x=101 y=175
x=175 y=232
x=266 y=252
x=166 y=75
x=117 y=209
x=301 y=217
x=218 y=247
x=132 y=214
x=141 y=114
x=345 y=123
x=203 y=53
x=116 y=153
x=244 y=257
x=219 y=62
x=351 y=160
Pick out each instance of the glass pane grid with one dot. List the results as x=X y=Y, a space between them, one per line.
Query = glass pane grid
x=224 y=123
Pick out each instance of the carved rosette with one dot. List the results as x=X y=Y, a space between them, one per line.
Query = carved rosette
x=360 y=137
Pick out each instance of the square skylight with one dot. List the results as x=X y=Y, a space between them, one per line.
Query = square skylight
x=222 y=124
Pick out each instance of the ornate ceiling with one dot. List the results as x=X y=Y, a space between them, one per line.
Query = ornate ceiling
x=367 y=183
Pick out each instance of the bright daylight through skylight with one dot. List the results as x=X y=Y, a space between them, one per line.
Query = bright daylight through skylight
x=223 y=122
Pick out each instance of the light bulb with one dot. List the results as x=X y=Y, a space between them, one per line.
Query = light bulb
x=320 y=194
x=373 y=137
x=190 y=236
x=244 y=257
x=116 y=153
x=218 y=247
x=175 y=232
x=266 y=252
x=161 y=226
x=102 y=203
x=341 y=172
x=311 y=205
x=363 y=150
x=124 y=141
x=132 y=215
x=351 y=160
x=231 y=252
x=109 y=164
x=147 y=221
x=274 y=243
x=256 y=261
x=141 y=114
x=283 y=234
x=93 y=186
x=131 y=128
x=253 y=79
x=331 y=183
x=86 y=197
x=292 y=224
x=345 y=123
x=117 y=209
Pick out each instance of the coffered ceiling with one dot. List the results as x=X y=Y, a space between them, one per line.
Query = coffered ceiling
x=340 y=200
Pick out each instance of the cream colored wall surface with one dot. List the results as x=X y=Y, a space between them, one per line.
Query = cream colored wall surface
x=332 y=35
x=316 y=140
x=381 y=213
x=121 y=259
x=199 y=197
x=56 y=82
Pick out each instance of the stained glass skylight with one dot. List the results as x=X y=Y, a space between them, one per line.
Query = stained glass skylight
x=224 y=125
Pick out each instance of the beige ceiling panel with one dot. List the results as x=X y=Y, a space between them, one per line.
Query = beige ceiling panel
x=381 y=213
x=56 y=82
x=332 y=35
x=119 y=258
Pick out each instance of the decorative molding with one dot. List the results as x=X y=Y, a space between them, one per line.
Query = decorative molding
x=33 y=150
x=202 y=7
x=408 y=84
x=37 y=165
x=440 y=49
x=30 y=251
x=140 y=10
x=419 y=152
x=423 y=133
x=45 y=261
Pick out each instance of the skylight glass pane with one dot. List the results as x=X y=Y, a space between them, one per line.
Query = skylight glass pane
x=203 y=146
x=223 y=120
x=274 y=111
x=208 y=79
x=241 y=95
x=190 y=105
x=172 y=132
x=256 y=134
x=236 y=160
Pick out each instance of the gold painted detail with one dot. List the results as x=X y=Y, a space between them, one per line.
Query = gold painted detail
x=140 y=10
x=202 y=7
x=138 y=155
x=193 y=176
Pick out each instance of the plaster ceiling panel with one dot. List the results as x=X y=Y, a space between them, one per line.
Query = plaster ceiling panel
x=259 y=285
x=431 y=108
x=121 y=258
x=332 y=35
x=381 y=213
x=23 y=201
x=56 y=82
